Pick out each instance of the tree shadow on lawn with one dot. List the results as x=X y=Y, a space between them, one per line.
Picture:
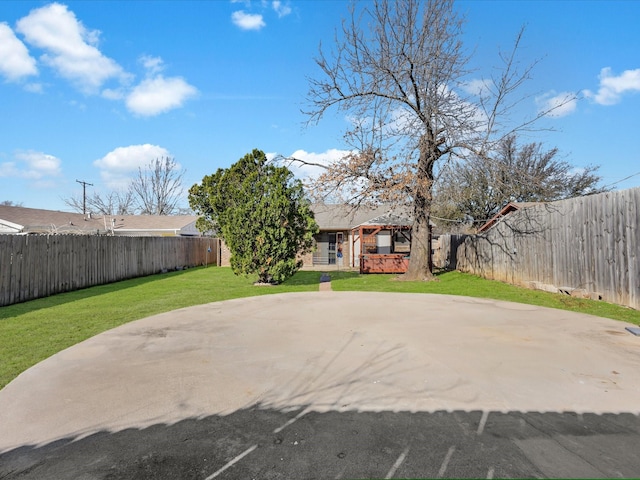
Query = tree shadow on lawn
x=301 y=279
x=267 y=443
x=10 y=311
x=378 y=279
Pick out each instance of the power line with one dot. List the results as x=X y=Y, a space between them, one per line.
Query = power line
x=84 y=194
x=620 y=181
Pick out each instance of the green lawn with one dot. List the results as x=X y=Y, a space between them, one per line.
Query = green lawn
x=456 y=283
x=35 y=330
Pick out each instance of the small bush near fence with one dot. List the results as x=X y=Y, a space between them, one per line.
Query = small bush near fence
x=34 y=266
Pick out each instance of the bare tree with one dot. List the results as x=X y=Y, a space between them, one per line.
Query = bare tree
x=158 y=189
x=398 y=69
x=116 y=202
x=11 y=203
x=75 y=202
x=482 y=185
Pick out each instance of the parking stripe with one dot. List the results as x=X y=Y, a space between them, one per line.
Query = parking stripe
x=289 y=422
x=445 y=462
x=232 y=462
x=483 y=421
x=399 y=461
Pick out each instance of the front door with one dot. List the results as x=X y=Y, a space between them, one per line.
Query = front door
x=331 y=250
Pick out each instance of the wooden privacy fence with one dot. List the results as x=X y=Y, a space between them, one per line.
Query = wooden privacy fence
x=34 y=266
x=586 y=246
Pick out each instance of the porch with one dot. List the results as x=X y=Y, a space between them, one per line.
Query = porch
x=382 y=245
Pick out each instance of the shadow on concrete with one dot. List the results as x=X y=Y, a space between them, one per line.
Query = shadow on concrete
x=266 y=443
x=336 y=417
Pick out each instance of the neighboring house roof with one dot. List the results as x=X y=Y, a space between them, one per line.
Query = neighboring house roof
x=137 y=224
x=9 y=227
x=506 y=210
x=31 y=220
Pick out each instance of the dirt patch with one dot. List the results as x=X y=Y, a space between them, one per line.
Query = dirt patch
x=615 y=332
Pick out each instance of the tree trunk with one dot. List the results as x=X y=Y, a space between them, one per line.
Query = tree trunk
x=420 y=264
x=420 y=260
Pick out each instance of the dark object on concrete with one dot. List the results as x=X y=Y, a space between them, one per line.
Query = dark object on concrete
x=634 y=330
x=325 y=278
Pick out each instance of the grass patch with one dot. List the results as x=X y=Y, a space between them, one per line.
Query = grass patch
x=35 y=330
x=456 y=283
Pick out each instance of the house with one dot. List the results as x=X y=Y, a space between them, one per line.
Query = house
x=373 y=240
x=21 y=220
x=342 y=230
x=346 y=234
x=336 y=235
x=506 y=210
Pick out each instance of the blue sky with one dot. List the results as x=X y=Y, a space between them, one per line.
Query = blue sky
x=91 y=90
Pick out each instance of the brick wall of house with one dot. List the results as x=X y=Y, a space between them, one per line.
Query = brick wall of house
x=225 y=255
x=307 y=259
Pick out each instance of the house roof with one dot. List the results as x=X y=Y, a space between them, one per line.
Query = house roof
x=506 y=210
x=388 y=219
x=341 y=217
x=31 y=220
x=26 y=220
x=344 y=217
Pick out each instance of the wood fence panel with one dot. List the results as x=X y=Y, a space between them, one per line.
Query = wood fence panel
x=25 y=271
x=632 y=234
x=5 y=270
x=16 y=265
x=588 y=243
x=37 y=266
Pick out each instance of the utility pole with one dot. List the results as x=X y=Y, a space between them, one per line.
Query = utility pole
x=84 y=195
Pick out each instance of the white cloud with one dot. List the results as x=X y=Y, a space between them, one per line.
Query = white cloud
x=247 y=21
x=113 y=93
x=153 y=65
x=477 y=87
x=613 y=87
x=40 y=164
x=117 y=165
x=15 y=61
x=557 y=104
x=328 y=157
x=158 y=95
x=281 y=9
x=70 y=48
x=34 y=87
x=8 y=169
x=31 y=165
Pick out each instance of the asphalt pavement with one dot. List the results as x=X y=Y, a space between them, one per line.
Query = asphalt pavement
x=333 y=385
